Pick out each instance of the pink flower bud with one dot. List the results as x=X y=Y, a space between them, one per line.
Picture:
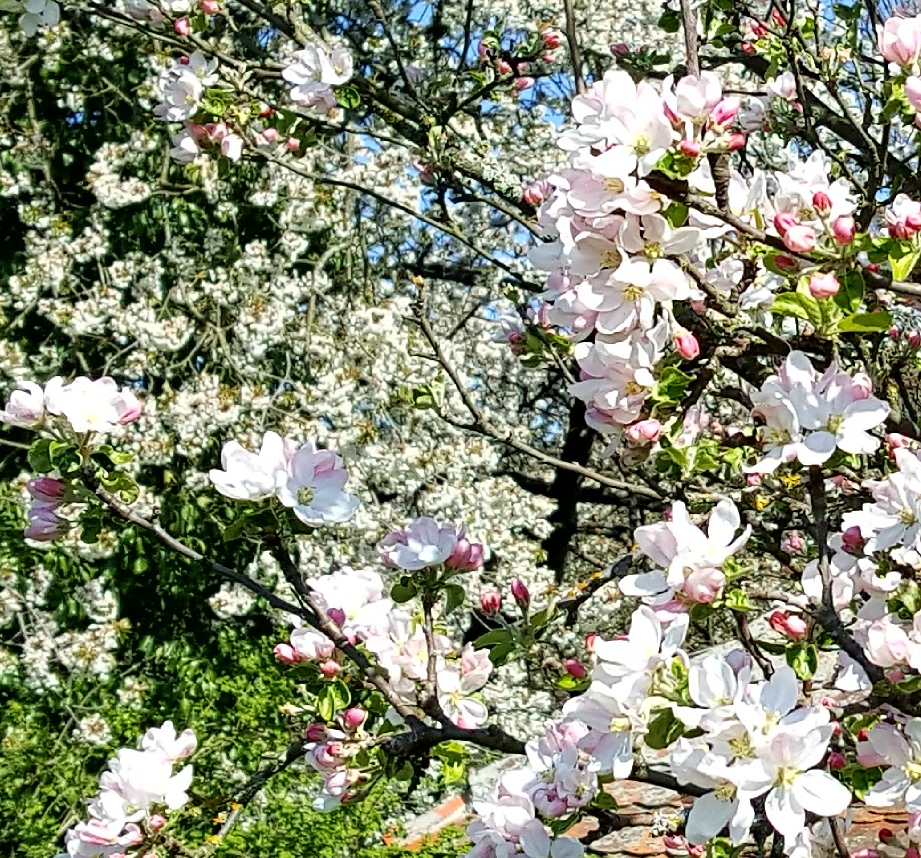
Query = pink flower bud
x=778 y=18
x=552 y=39
x=788 y=625
x=852 y=541
x=48 y=491
x=503 y=67
x=315 y=733
x=836 y=762
x=828 y=703
x=523 y=83
x=894 y=333
x=800 y=239
x=691 y=148
x=491 y=602
x=644 y=432
x=183 y=26
x=292 y=144
x=482 y=51
x=792 y=542
x=821 y=202
x=695 y=851
x=866 y=852
x=270 y=134
x=686 y=344
x=329 y=668
x=885 y=835
x=620 y=49
x=783 y=221
x=759 y=31
x=533 y=194
x=894 y=675
x=914 y=339
x=520 y=593
x=913 y=222
x=45 y=525
x=912 y=852
x=735 y=141
x=725 y=111
x=590 y=639
x=894 y=440
x=844 y=229
x=674 y=841
x=286 y=654
x=354 y=717
x=466 y=556
x=128 y=407
x=155 y=822
x=575 y=668
x=753 y=480
x=266 y=110
x=822 y=286
x=209 y=7
x=337 y=615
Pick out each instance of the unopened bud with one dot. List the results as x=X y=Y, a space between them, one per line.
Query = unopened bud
x=590 y=639
x=726 y=110
x=183 y=26
x=523 y=83
x=691 y=148
x=852 y=540
x=735 y=141
x=330 y=668
x=822 y=286
x=783 y=221
x=292 y=144
x=575 y=668
x=552 y=39
x=337 y=615
x=686 y=344
x=315 y=733
x=644 y=431
x=788 y=625
x=520 y=593
x=491 y=602
x=821 y=202
x=836 y=761
x=844 y=229
x=914 y=339
x=354 y=717
x=155 y=822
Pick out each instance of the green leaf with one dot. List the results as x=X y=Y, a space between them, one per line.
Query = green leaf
x=348 y=97
x=737 y=600
x=664 y=728
x=404 y=590
x=671 y=385
x=333 y=698
x=676 y=214
x=670 y=21
x=40 y=457
x=851 y=292
x=804 y=659
x=540 y=618
x=801 y=306
x=454 y=598
x=496 y=636
x=864 y=323
x=903 y=259
x=500 y=652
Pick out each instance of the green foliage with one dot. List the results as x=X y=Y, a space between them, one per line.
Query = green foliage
x=218 y=677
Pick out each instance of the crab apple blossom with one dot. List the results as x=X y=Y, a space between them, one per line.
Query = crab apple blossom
x=900 y=752
x=313 y=485
x=91 y=405
x=425 y=542
x=808 y=415
x=250 y=476
x=25 y=407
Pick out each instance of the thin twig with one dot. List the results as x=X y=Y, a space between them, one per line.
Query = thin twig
x=572 y=39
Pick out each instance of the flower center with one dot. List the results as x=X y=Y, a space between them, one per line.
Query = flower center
x=834 y=422
x=913 y=770
x=641 y=144
x=633 y=388
x=741 y=746
x=611 y=259
x=786 y=775
x=726 y=791
x=653 y=250
x=634 y=292
x=619 y=724
x=614 y=185
x=907 y=517
x=304 y=496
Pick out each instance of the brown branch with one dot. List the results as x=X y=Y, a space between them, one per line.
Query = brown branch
x=482 y=426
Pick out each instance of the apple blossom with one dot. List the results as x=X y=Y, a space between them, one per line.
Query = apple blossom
x=250 y=476
x=424 y=542
x=25 y=407
x=313 y=485
x=824 y=285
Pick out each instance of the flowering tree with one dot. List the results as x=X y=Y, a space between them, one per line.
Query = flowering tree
x=714 y=324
